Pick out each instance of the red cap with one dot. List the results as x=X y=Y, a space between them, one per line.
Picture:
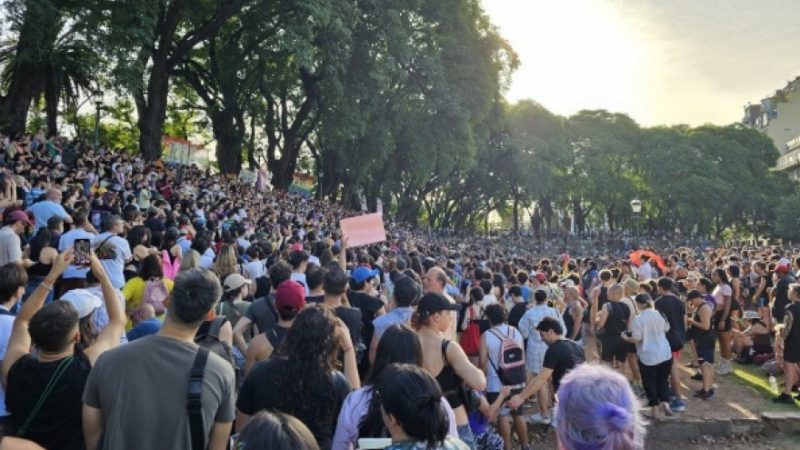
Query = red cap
x=296 y=247
x=541 y=277
x=290 y=295
x=783 y=268
x=18 y=215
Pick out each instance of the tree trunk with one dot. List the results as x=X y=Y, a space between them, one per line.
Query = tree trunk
x=51 y=108
x=154 y=112
x=515 y=211
x=229 y=135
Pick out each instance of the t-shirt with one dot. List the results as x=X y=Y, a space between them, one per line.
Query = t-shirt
x=781 y=297
x=352 y=318
x=6 y=324
x=144 y=328
x=57 y=426
x=159 y=367
x=10 y=246
x=516 y=313
x=301 y=278
x=674 y=310
x=44 y=210
x=260 y=392
x=262 y=313
x=368 y=305
x=115 y=268
x=561 y=357
x=720 y=292
x=395 y=316
x=316 y=299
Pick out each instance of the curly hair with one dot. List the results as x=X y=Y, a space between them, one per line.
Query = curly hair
x=305 y=388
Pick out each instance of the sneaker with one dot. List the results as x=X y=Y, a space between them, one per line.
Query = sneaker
x=703 y=394
x=677 y=405
x=724 y=368
x=638 y=389
x=667 y=410
x=697 y=376
x=699 y=394
x=784 y=398
x=540 y=419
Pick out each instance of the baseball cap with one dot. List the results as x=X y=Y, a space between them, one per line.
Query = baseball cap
x=296 y=247
x=361 y=274
x=290 y=295
x=235 y=281
x=541 y=277
x=432 y=303
x=18 y=215
x=783 y=268
x=83 y=300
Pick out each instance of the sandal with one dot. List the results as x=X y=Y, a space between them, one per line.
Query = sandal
x=693 y=365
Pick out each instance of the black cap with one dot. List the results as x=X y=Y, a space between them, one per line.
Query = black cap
x=432 y=303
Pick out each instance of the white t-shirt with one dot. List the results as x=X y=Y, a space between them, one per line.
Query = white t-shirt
x=68 y=240
x=114 y=267
x=645 y=272
x=6 y=324
x=650 y=328
x=493 y=383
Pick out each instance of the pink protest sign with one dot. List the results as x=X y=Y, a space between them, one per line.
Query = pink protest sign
x=363 y=230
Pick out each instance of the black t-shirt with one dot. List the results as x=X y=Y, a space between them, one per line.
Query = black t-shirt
x=561 y=357
x=260 y=392
x=352 y=318
x=57 y=425
x=262 y=313
x=275 y=336
x=516 y=313
x=316 y=299
x=782 y=297
x=368 y=305
x=673 y=309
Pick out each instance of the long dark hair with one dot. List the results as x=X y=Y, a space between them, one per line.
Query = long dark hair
x=413 y=397
x=40 y=242
x=305 y=388
x=723 y=276
x=399 y=344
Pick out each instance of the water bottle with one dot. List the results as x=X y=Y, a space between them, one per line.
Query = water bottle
x=773 y=384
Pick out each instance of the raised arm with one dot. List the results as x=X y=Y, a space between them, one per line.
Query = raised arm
x=19 y=343
x=343 y=253
x=109 y=337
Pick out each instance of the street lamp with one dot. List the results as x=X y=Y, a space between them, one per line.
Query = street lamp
x=636 y=208
x=97 y=97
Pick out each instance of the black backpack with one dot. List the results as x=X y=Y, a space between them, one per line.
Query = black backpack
x=210 y=339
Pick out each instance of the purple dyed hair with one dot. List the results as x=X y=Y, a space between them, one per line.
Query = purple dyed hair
x=597 y=410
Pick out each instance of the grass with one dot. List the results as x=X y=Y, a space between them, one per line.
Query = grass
x=753 y=376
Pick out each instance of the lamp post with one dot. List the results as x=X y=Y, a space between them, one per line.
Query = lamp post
x=97 y=97
x=636 y=208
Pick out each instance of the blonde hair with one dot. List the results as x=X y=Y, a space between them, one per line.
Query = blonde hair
x=631 y=286
x=226 y=261
x=191 y=260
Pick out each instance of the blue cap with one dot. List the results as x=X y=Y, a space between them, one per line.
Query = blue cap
x=361 y=274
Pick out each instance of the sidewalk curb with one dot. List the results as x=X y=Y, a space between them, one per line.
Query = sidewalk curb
x=680 y=430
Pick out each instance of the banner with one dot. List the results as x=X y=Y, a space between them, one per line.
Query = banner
x=181 y=151
x=302 y=184
x=363 y=230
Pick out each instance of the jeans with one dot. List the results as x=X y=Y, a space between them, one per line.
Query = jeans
x=465 y=434
x=655 y=380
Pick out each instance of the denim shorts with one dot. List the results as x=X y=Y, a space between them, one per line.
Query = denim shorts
x=466 y=435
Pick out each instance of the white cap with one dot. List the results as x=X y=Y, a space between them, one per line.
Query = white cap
x=84 y=301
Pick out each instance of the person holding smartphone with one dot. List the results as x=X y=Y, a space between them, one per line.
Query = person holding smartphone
x=79 y=238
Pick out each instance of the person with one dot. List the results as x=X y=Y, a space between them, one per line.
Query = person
x=315 y=277
x=42 y=253
x=701 y=332
x=289 y=301
x=115 y=415
x=150 y=282
x=598 y=410
x=405 y=294
x=412 y=412
x=612 y=321
x=50 y=207
x=723 y=298
x=562 y=356
x=674 y=310
x=52 y=417
x=780 y=293
x=13 y=280
x=645 y=270
x=360 y=415
x=301 y=380
x=573 y=316
x=631 y=287
x=15 y=225
x=648 y=332
x=363 y=295
x=436 y=282
x=145 y=323
x=113 y=251
x=789 y=337
x=491 y=350
x=537 y=347
x=275 y=431
x=298 y=258
x=520 y=305
x=754 y=342
x=446 y=358
x=335 y=298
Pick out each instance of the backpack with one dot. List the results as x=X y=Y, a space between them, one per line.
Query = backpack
x=106 y=250
x=210 y=340
x=168 y=266
x=155 y=293
x=511 y=359
x=470 y=339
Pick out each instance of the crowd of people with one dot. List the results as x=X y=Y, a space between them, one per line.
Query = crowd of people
x=151 y=306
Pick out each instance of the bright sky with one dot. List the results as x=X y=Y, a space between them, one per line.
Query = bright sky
x=660 y=61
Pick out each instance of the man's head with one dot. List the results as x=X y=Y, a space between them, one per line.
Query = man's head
x=54 y=195
x=615 y=292
x=278 y=273
x=550 y=330
x=315 y=276
x=80 y=218
x=435 y=280
x=496 y=313
x=539 y=296
x=782 y=270
x=290 y=299
x=605 y=276
x=298 y=259
x=406 y=291
x=114 y=224
x=13 y=279
x=665 y=285
x=54 y=328
x=486 y=287
x=194 y=295
x=335 y=282
x=18 y=221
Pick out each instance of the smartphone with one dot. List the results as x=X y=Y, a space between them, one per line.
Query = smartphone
x=82 y=251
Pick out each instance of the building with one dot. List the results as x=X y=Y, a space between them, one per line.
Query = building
x=778 y=117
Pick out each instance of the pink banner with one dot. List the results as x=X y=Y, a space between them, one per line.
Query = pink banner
x=363 y=230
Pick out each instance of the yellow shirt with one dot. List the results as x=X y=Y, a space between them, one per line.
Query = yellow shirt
x=134 y=291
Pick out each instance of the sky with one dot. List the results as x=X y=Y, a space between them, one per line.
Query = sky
x=662 y=62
